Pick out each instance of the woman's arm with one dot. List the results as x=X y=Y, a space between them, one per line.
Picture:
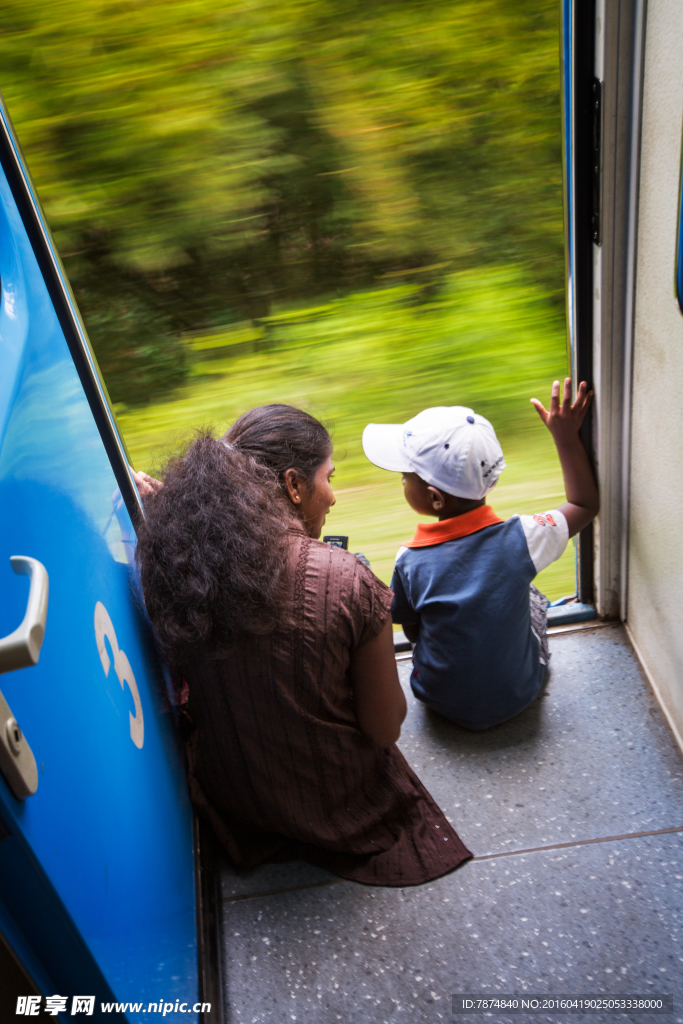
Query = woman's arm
x=378 y=699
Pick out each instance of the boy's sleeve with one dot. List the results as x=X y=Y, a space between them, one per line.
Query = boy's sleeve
x=401 y=611
x=546 y=535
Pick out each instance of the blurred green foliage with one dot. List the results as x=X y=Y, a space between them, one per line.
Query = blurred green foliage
x=487 y=338
x=204 y=163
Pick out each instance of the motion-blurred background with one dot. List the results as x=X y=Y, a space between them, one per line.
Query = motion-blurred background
x=353 y=207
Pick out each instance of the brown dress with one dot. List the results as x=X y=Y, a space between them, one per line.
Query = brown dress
x=277 y=761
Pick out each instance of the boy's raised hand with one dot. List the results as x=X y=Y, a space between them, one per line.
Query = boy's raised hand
x=563 y=422
x=564 y=419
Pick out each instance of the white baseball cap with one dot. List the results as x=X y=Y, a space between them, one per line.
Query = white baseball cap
x=449 y=447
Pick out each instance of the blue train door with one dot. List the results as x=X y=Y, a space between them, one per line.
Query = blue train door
x=97 y=889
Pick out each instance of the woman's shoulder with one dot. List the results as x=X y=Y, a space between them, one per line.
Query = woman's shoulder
x=337 y=593
x=336 y=555
x=333 y=566
x=349 y=573
x=337 y=559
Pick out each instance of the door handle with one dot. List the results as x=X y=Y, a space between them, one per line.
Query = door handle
x=21 y=649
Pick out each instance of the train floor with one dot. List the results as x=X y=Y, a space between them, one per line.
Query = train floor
x=574 y=813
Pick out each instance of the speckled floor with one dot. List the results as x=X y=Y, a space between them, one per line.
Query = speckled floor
x=574 y=811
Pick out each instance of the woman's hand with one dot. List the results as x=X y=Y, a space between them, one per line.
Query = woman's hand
x=378 y=699
x=146 y=484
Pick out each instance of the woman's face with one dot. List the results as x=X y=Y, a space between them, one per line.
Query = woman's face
x=317 y=500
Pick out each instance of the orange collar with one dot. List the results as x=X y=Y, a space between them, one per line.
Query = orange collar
x=450 y=529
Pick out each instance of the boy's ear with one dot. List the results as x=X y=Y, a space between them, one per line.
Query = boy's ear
x=437 y=498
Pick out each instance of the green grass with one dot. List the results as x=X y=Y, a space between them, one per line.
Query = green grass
x=488 y=339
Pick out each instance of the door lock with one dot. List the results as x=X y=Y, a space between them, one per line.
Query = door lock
x=17 y=762
x=14 y=736
x=21 y=649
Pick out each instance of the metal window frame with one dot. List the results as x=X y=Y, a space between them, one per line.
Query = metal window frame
x=637 y=29
x=678 y=281
x=577 y=19
x=618 y=66
x=603 y=42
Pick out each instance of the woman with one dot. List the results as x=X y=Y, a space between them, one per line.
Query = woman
x=286 y=647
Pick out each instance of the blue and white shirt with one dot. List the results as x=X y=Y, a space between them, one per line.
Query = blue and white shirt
x=464 y=583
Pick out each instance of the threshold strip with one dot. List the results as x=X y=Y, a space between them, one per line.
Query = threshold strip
x=579 y=842
x=582 y=627
x=277 y=892
x=485 y=856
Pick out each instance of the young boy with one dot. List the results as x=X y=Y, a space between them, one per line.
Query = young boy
x=462 y=585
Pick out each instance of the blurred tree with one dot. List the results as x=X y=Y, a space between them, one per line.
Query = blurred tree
x=198 y=160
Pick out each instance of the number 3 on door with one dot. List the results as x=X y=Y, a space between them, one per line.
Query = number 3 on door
x=104 y=627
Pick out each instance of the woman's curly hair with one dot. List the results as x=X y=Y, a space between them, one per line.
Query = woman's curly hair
x=210 y=549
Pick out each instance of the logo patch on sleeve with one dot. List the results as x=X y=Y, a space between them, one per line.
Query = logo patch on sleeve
x=546 y=520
